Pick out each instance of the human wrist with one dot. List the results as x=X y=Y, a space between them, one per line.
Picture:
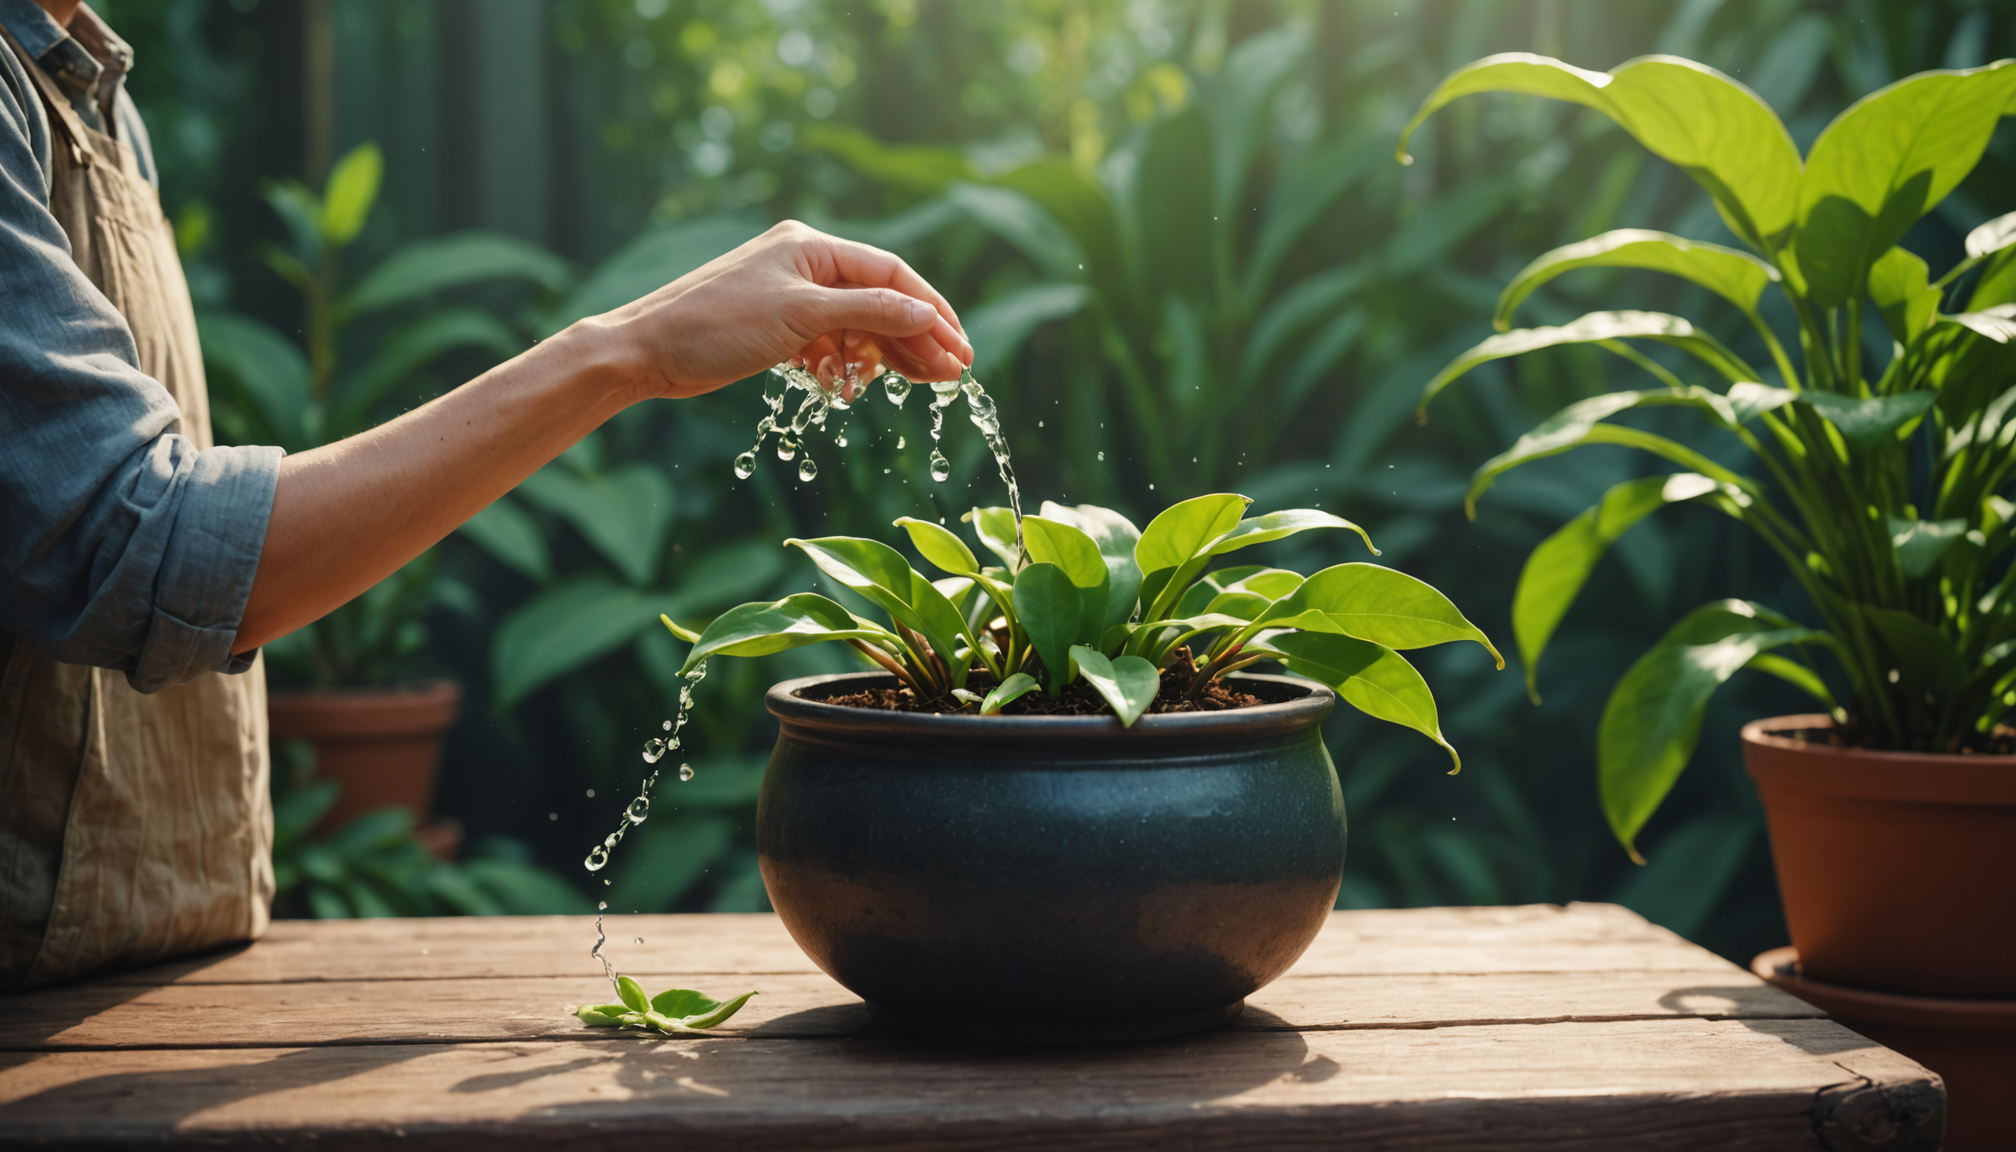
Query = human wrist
x=600 y=357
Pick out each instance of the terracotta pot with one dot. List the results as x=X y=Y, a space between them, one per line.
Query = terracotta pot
x=1971 y=1044
x=1896 y=868
x=382 y=744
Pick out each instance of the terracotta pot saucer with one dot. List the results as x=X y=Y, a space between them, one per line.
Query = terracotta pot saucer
x=1780 y=967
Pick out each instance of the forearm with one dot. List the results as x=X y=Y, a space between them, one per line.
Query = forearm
x=349 y=514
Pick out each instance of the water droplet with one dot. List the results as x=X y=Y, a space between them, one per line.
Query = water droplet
x=596 y=859
x=685 y=772
x=896 y=388
x=601 y=905
x=653 y=749
x=941 y=468
x=840 y=438
x=1102 y=455
x=787 y=447
x=638 y=810
x=807 y=470
x=639 y=940
x=611 y=840
x=667 y=725
x=745 y=465
x=901 y=443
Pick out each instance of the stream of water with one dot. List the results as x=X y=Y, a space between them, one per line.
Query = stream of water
x=811 y=415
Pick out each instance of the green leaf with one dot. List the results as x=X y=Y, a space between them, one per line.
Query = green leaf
x=650 y=262
x=1388 y=608
x=1713 y=128
x=998 y=328
x=1594 y=328
x=1007 y=692
x=1652 y=720
x=939 y=546
x=268 y=368
x=624 y=513
x=1866 y=422
x=880 y=573
x=1240 y=95
x=1048 y=606
x=1737 y=277
x=411 y=348
x=561 y=629
x=1900 y=284
x=1115 y=536
x=1579 y=424
x=1276 y=525
x=1796 y=674
x=1992 y=237
x=1370 y=677
x=1179 y=541
x=793 y=622
x=1052 y=542
x=632 y=994
x=1560 y=566
x=1128 y=684
x=1927 y=660
x=724 y=575
x=1920 y=543
x=508 y=534
x=1885 y=162
x=1017 y=218
x=995 y=528
x=920 y=168
x=602 y=1015
x=1749 y=400
x=457 y=260
x=352 y=189
x=679 y=1003
x=719 y=1014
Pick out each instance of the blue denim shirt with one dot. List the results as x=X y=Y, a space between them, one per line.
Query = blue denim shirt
x=121 y=545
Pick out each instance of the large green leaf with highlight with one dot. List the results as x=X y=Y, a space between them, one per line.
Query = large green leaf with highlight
x=1560 y=566
x=1277 y=525
x=1652 y=721
x=1128 y=684
x=1865 y=422
x=1885 y=162
x=1048 y=607
x=881 y=574
x=1375 y=603
x=1581 y=423
x=1175 y=546
x=624 y=513
x=457 y=260
x=1900 y=284
x=793 y=622
x=1007 y=692
x=1596 y=328
x=1713 y=128
x=1051 y=542
x=938 y=545
x=1737 y=277
x=1371 y=678
x=995 y=528
x=1115 y=537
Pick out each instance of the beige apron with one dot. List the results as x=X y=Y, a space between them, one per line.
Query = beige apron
x=135 y=826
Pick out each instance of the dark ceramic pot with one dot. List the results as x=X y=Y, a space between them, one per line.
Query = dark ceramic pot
x=1043 y=879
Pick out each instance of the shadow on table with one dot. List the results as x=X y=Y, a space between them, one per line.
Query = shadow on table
x=837 y=1055
x=1807 y=1032
x=32 y=1019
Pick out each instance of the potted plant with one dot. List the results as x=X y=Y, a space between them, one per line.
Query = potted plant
x=354 y=683
x=1050 y=815
x=1883 y=494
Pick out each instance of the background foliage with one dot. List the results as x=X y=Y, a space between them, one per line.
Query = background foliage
x=1168 y=223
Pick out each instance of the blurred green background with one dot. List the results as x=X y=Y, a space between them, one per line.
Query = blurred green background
x=1188 y=261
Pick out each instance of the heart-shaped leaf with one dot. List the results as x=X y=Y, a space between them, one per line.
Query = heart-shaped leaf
x=1128 y=684
x=1048 y=606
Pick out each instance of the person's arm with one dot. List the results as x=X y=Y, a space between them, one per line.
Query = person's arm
x=347 y=515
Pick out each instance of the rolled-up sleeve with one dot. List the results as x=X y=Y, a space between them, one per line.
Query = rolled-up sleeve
x=121 y=545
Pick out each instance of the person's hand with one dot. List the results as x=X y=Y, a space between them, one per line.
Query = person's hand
x=793 y=293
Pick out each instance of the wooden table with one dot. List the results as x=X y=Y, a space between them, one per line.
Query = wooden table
x=1583 y=1027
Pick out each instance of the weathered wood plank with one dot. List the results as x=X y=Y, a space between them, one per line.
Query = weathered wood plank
x=1667 y=1084
x=1529 y=938
x=399 y=1011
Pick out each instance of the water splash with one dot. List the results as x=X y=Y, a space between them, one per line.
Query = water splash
x=639 y=809
x=808 y=469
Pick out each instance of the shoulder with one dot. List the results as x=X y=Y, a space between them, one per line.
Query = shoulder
x=24 y=126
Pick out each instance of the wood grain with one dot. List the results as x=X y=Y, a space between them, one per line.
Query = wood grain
x=1637 y=1084
x=1539 y=1026
x=397 y=1011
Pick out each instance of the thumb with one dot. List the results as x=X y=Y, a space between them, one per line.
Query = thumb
x=880 y=310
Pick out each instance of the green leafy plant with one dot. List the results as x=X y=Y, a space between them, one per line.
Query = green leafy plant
x=1885 y=497
x=1085 y=596
x=676 y=1010
x=299 y=396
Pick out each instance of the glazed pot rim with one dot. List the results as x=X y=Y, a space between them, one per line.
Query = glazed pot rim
x=786 y=701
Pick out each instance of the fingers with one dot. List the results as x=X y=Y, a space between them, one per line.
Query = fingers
x=872 y=267
x=936 y=349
